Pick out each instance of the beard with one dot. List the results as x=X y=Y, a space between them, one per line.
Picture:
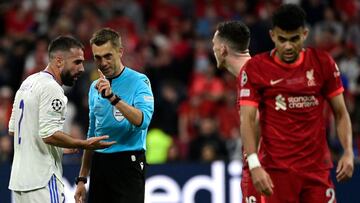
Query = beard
x=67 y=78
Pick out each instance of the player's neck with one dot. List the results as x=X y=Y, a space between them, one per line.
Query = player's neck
x=236 y=62
x=56 y=75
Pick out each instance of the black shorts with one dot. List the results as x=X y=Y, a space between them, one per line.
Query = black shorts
x=117 y=177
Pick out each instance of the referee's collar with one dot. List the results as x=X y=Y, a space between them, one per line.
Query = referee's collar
x=112 y=78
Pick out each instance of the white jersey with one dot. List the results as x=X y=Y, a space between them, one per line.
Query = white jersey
x=38 y=111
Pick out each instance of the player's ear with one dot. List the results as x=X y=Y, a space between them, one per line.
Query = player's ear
x=59 y=61
x=272 y=35
x=120 y=51
x=223 y=50
x=305 y=33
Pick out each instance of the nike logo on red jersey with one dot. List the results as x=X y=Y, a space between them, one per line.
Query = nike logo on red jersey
x=274 y=82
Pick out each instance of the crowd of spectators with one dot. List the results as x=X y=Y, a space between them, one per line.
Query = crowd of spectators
x=195 y=117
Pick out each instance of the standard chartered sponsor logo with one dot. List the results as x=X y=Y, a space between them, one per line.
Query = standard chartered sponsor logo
x=280 y=103
x=295 y=102
x=302 y=102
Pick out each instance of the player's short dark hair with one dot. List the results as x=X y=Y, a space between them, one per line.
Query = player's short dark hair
x=289 y=17
x=104 y=35
x=236 y=33
x=63 y=43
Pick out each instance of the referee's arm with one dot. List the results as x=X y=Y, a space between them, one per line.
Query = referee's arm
x=86 y=163
x=80 y=193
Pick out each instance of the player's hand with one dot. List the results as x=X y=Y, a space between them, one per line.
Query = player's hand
x=262 y=181
x=345 y=168
x=103 y=85
x=80 y=193
x=98 y=143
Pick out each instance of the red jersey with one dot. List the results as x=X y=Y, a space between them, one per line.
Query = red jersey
x=290 y=99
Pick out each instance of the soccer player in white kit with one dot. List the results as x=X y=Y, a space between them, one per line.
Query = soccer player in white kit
x=37 y=121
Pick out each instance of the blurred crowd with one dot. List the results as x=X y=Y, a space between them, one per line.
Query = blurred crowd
x=196 y=118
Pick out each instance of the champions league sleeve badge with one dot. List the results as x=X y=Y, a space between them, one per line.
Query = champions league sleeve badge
x=244 y=78
x=57 y=105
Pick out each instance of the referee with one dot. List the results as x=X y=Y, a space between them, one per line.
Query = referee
x=121 y=105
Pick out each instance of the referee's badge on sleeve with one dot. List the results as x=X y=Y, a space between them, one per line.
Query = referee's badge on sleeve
x=117 y=114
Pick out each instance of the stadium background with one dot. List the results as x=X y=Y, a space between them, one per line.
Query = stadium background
x=195 y=120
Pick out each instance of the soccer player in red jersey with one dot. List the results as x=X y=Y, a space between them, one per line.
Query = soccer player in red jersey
x=289 y=87
x=230 y=47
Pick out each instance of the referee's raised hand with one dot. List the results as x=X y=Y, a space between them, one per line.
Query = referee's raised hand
x=103 y=85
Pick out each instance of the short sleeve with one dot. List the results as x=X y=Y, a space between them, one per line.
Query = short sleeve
x=248 y=92
x=52 y=110
x=12 y=117
x=144 y=101
x=332 y=79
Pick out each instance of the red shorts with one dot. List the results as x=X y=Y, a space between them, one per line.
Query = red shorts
x=249 y=193
x=301 y=187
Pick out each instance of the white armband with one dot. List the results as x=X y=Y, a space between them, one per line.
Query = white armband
x=253 y=161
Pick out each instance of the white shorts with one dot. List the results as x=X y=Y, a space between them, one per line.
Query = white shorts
x=53 y=192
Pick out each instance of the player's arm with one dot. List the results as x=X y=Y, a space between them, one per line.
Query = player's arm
x=11 y=125
x=64 y=140
x=260 y=178
x=247 y=128
x=345 y=166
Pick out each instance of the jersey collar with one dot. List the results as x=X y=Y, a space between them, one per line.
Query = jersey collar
x=113 y=78
x=44 y=71
x=288 y=65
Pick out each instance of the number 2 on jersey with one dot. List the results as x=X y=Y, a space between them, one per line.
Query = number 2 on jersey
x=330 y=192
x=21 y=117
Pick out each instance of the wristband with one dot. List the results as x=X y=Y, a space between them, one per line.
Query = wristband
x=106 y=97
x=80 y=179
x=253 y=161
x=116 y=100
